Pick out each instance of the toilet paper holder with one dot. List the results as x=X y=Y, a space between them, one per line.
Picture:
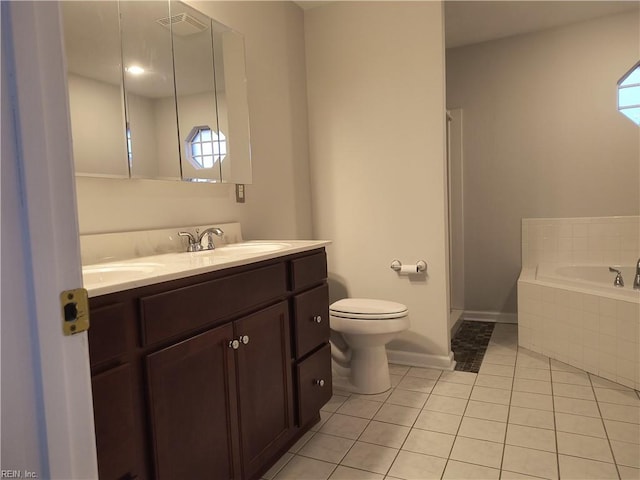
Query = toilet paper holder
x=419 y=267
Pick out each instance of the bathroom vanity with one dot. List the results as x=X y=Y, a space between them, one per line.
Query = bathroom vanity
x=214 y=373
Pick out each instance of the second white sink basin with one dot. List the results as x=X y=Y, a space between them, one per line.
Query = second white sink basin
x=249 y=248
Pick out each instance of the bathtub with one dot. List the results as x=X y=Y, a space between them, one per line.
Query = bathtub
x=574 y=314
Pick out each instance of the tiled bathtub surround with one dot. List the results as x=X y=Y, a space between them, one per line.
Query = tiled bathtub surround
x=587 y=240
x=581 y=326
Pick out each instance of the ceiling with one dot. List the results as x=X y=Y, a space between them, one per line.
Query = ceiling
x=468 y=22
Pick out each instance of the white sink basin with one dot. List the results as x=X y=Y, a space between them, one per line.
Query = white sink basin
x=116 y=271
x=249 y=248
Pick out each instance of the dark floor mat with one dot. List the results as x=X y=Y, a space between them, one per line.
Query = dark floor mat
x=470 y=343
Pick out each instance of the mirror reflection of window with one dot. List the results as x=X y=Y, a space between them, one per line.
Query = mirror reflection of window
x=205 y=147
x=629 y=94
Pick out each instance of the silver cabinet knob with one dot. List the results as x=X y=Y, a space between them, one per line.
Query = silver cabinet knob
x=320 y=383
x=244 y=339
x=234 y=344
x=317 y=318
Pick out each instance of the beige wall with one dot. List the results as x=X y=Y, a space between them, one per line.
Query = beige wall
x=375 y=73
x=278 y=201
x=542 y=138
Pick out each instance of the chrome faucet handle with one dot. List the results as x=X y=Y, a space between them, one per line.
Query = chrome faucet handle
x=194 y=245
x=618 y=282
x=210 y=232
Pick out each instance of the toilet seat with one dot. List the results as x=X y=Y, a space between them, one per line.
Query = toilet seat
x=367 y=309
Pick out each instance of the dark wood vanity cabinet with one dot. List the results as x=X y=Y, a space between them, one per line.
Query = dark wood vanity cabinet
x=233 y=372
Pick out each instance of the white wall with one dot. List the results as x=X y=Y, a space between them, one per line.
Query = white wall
x=278 y=201
x=375 y=79
x=542 y=138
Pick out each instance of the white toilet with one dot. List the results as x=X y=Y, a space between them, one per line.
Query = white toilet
x=360 y=329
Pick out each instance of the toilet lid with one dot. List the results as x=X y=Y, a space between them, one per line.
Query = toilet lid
x=367 y=308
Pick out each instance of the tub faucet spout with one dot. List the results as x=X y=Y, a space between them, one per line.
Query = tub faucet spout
x=636 y=280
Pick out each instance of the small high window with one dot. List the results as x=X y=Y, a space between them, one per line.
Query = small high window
x=629 y=94
x=205 y=147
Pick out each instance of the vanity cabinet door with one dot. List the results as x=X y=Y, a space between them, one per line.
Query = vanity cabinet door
x=264 y=385
x=192 y=404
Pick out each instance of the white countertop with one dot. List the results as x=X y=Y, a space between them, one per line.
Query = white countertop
x=103 y=278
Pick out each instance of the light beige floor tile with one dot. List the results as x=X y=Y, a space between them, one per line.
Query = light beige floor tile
x=397 y=414
x=584 y=447
x=619 y=397
x=282 y=461
x=429 y=443
x=504 y=475
x=627 y=454
x=478 y=452
x=574 y=468
x=532 y=386
x=377 y=397
x=398 y=369
x=303 y=468
x=498 y=359
x=494 y=381
x=573 y=378
x=600 y=382
x=579 y=424
x=301 y=441
x=622 y=413
x=563 y=367
x=416 y=384
x=533 y=373
x=407 y=398
x=348 y=473
x=530 y=462
x=395 y=379
x=334 y=403
x=531 y=437
x=532 y=400
x=487 y=411
x=437 y=403
x=491 y=395
x=529 y=359
x=344 y=426
x=531 y=418
x=466 y=471
x=500 y=370
x=438 y=422
x=576 y=406
x=324 y=416
x=628 y=473
x=385 y=434
x=466 y=378
x=583 y=392
x=447 y=389
x=493 y=348
x=342 y=393
x=372 y=458
x=357 y=407
x=482 y=429
x=327 y=448
x=415 y=466
x=622 y=431
x=419 y=372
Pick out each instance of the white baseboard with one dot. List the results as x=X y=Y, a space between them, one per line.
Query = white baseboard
x=414 y=359
x=497 y=317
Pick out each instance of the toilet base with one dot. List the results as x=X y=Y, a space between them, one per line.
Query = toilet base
x=368 y=373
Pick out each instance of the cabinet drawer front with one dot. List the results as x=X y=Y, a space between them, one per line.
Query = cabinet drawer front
x=171 y=313
x=108 y=333
x=113 y=417
x=311 y=395
x=308 y=271
x=311 y=319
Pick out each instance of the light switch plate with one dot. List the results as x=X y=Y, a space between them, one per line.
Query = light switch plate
x=240 y=193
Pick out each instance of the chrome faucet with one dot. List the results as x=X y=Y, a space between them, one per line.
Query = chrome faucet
x=618 y=282
x=636 y=280
x=195 y=241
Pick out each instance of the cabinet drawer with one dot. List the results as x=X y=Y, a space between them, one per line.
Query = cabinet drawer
x=311 y=319
x=108 y=333
x=307 y=271
x=311 y=395
x=178 y=311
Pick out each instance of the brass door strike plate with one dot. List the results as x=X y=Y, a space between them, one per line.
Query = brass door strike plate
x=75 y=311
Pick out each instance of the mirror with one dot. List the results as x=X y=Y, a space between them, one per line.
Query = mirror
x=157 y=90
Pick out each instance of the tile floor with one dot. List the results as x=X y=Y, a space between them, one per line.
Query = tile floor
x=523 y=416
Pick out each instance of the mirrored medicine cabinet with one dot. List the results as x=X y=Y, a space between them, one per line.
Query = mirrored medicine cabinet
x=157 y=90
